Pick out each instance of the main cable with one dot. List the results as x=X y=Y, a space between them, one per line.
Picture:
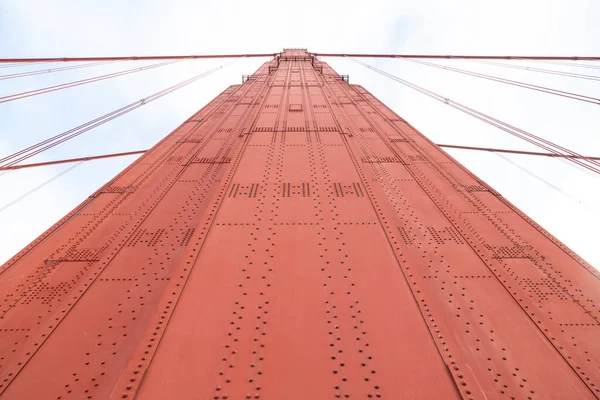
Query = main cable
x=48 y=89
x=543 y=89
x=435 y=56
x=37 y=148
x=173 y=57
x=520 y=133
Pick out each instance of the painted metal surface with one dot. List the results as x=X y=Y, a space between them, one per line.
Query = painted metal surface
x=296 y=239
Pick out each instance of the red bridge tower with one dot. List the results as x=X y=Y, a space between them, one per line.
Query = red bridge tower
x=296 y=239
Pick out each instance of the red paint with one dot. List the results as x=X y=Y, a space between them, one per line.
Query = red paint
x=296 y=239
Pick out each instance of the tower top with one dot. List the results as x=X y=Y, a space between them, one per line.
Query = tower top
x=295 y=54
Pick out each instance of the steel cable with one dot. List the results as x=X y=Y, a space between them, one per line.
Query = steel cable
x=522 y=152
x=568 y=64
x=524 y=135
x=562 y=93
x=72 y=160
x=48 y=89
x=541 y=70
x=46 y=71
x=30 y=151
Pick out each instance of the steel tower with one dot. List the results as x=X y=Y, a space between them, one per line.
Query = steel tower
x=296 y=239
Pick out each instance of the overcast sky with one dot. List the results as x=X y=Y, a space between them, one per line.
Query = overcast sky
x=36 y=28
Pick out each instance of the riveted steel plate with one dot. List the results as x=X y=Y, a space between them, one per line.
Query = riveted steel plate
x=296 y=239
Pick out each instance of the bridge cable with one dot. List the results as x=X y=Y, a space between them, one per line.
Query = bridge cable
x=561 y=157
x=72 y=160
x=522 y=152
x=541 y=70
x=203 y=56
x=562 y=93
x=434 y=56
x=517 y=132
x=50 y=70
x=48 y=89
x=139 y=58
x=37 y=148
x=568 y=64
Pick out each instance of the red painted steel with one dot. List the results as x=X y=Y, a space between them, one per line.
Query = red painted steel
x=296 y=239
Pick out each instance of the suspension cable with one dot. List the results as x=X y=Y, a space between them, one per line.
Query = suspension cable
x=568 y=64
x=67 y=85
x=528 y=153
x=437 y=56
x=423 y=56
x=37 y=148
x=543 y=89
x=38 y=187
x=46 y=71
x=543 y=70
x=561 y=157
x=134 y=58
x=72 y=160
x=517 y=132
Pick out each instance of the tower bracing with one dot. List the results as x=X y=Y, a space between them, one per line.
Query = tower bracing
x=296 y=239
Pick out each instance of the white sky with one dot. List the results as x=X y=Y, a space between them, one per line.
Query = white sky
x=35 y=28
